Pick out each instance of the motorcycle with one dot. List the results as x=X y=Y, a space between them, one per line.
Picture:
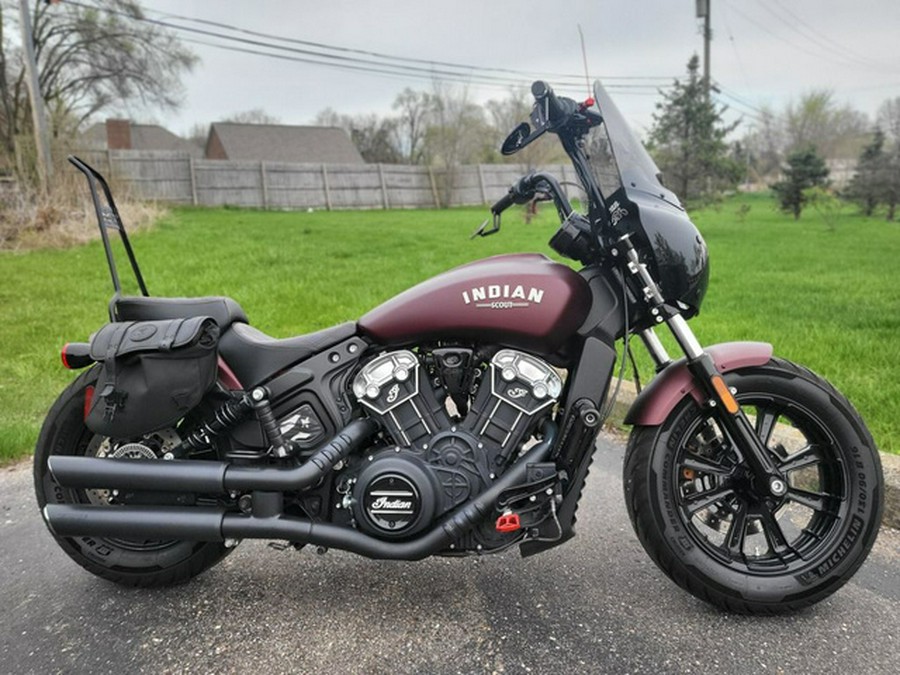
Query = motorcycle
x=460 y=417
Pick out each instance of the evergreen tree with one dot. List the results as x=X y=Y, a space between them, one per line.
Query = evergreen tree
x=688 y=138
x=804 y=170
x=868 y=186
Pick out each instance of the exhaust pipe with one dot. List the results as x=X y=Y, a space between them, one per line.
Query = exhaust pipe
x=184 y=475
x=205 y=524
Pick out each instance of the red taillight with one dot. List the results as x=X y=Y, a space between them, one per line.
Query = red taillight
x=76 y=355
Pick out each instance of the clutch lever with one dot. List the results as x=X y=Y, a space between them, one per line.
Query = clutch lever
x=484 y=231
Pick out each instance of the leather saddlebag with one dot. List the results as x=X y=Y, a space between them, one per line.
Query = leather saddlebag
x=152 y=373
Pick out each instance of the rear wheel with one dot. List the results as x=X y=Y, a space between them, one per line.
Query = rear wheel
x=701 y=515
x=126 y=562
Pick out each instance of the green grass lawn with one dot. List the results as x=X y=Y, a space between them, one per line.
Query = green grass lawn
x=825 y=295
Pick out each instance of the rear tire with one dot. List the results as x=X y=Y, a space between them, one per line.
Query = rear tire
x=700 y=515
x=129 y=563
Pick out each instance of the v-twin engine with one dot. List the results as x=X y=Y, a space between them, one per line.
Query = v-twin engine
x=440 y=459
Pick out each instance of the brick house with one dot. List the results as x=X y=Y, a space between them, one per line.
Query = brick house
x=121 y=134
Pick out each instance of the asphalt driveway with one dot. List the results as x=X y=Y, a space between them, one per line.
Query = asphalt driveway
x=596 y=604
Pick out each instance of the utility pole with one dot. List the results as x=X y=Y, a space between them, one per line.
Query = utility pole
x=41 y=136
x=703 y=12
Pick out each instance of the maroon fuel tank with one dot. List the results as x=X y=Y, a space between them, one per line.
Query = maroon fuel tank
x=521 y=300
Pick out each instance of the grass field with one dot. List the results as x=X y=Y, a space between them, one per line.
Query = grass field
x=825 y=294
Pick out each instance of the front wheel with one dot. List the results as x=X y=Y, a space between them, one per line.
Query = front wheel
x=700 y=514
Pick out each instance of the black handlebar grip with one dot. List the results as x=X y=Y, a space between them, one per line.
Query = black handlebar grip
x=503 y=203
x=541 y=92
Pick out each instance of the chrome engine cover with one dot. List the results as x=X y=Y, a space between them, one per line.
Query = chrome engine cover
x=461 y=457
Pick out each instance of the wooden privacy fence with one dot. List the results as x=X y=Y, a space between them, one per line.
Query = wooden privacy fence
x=181 y=179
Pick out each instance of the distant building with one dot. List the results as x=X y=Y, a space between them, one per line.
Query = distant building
x=120 y=134
x=281 y=143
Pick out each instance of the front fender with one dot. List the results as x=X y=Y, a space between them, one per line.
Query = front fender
x=667 y=389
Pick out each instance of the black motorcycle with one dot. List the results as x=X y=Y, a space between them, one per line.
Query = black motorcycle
x=460 y=417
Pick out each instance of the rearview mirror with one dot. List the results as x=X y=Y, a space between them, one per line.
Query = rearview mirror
x=521 y=136
x=518 y=139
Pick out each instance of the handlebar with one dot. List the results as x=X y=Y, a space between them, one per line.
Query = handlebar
x=564 y=117
x=523 y=191
x=557 y=109
x=503 y=203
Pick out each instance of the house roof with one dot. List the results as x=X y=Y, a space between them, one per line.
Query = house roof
x=144 y=137
x=283 y=143
x=155 y=137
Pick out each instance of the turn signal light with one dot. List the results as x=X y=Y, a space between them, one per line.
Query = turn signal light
x=731 y=405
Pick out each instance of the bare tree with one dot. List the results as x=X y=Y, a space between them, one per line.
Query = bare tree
x=816 y=120
x=372 y=135
x=253 y=116
x=458 y=132
x=89 y=59
x=414 y=111
x=765 y=143
x=889 y=118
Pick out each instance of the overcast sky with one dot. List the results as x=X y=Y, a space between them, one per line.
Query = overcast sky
x=764 y=51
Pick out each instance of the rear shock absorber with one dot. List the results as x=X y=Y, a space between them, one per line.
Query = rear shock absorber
x=226 y=417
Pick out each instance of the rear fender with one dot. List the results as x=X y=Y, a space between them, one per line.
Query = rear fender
x=654 y=404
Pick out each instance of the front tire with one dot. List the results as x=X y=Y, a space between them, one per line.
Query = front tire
x=699 y=513
x=129 y=563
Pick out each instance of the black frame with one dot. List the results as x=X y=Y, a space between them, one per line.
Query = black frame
x=108 y=218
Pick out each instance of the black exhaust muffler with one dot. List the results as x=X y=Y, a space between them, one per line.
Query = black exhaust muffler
x=185 y=475
x=205 y=524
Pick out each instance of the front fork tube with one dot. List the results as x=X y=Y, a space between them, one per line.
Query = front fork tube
x=725 y=407
x=736 y=425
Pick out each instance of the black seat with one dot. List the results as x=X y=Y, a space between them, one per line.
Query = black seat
x=255 y=357
x=225 y=311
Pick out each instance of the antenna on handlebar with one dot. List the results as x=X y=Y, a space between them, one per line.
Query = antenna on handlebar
x=587 y=77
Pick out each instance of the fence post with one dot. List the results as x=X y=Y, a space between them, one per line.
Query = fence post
x=265 y=188
x=384 y=193
x=327 y=187
x=484 y=199
x=193 y=180
x=109 y=162
x=434 y=192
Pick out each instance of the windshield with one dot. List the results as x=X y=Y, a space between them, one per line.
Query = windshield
x=617 y=157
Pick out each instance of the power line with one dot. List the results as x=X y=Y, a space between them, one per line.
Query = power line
x=739 y=99
x=737 y=56
x=829 y=54
x=382 y=71
x=437 y=70
x=380 y=55
x=621 y=89
x=739 y=105
x=833 y=43
x=838 y=53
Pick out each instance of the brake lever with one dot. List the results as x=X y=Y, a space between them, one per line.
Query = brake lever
x=482 y=232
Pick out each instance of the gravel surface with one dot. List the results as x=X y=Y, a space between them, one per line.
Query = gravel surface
x=596 y=604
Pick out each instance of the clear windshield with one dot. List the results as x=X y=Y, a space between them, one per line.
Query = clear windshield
x=617 y=157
